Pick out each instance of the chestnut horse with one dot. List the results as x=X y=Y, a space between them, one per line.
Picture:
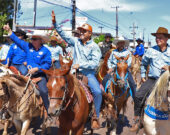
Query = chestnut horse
x=117 y=93
x=67 y=100
x=102 y=70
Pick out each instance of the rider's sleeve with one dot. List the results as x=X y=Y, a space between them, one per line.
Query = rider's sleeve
x=21 y=43
x=94 y=61
x=142 y=50
x=69 y=39
x=135 y=53
x=129 y=61
x=111 y=63
x=145 y=62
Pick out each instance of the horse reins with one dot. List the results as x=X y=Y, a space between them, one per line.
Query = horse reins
x=62 y=107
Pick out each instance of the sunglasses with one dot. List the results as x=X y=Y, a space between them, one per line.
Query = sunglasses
x=35 y=39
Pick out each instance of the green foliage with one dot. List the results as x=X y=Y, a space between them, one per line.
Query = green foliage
x=99 y=39
x=6 y=14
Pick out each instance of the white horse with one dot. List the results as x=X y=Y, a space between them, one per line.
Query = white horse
x=156 y=114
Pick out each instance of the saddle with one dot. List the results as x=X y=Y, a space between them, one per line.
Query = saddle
x=83 y=80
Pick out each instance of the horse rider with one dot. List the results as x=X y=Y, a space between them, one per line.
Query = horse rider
x=121 y=51
x=86 y=58
x=38 y=57
x=139 y=52
x=158 y=58
x=16 y=56
x=55 y=50
x=106 y=45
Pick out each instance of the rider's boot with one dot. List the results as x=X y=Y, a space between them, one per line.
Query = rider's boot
x=95 y=124
x=136 y=126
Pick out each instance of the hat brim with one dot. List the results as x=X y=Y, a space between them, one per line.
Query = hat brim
x=25 y=36
x=154 y=34
x=44 y=39
x=118 y=41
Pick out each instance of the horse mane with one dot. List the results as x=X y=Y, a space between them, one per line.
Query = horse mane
x=159 y=91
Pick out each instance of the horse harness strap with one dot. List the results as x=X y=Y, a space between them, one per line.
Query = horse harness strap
x=62 y=107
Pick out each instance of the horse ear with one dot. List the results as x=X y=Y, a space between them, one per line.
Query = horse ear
x=61 y=60
x=127 y=57
x=48 y=72
x=117 y=57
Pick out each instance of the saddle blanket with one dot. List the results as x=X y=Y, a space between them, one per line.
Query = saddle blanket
x=156 y=114
x=88 y=93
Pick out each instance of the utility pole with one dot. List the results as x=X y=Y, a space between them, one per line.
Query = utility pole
x=35 y=12
x=143 y=34
x=73 y=15
x=101 y=27
x=15 y=15
x=134 y=33
x=117 y=30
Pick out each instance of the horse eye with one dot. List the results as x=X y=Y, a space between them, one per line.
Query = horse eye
x=62 y=88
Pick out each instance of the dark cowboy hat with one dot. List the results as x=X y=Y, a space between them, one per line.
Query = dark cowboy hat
x=139 y=40
x=108 y=35
x=23 y=33
x=162 y=30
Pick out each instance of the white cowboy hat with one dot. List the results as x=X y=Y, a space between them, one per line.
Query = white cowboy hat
x=121 y=39
x=42 y=35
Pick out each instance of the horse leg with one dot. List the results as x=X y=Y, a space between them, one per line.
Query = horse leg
x=79 y=131
x=6 y=127
x=62 y=132
x=25 y=127
x=17 y=124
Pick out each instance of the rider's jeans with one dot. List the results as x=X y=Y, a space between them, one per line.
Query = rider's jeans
x=141 y=95
x=96 y=91
x=43 y=88
x=132 y=84
x=21 y=67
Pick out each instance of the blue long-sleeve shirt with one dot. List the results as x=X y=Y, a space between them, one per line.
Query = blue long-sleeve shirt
x=112 y=61
x=87 y=56
x=40 y=58
x=139 y=50
x=16 y=55
x=156 y=59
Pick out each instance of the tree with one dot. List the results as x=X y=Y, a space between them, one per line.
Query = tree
x=6 y=15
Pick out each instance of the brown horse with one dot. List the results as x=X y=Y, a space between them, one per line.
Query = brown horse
x=116 y=96
x=67 y=100
x=102 y=71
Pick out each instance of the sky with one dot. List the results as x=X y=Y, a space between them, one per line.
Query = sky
x=146 y=15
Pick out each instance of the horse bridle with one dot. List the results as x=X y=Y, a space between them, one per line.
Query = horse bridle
x=62 y=107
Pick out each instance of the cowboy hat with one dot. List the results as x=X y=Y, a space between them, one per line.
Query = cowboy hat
x=23 y=33
x=119 y=40
x=44 y=37
x=108 y=35
x=139 y=40
x=161 y=30
x=86 y=27
x=53 y=38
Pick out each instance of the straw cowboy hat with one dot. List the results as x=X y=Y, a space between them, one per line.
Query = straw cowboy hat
x=43 y=36
x=162 y=30
x=86 y=27
x=120 y=40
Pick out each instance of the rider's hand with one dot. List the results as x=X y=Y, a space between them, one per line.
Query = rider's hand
x=143 y=79
x=25 y=63
x=7 y=28
x=165 y=67
x=53 y=60
x=53 y=17
x=33 y=70
x=76 y=66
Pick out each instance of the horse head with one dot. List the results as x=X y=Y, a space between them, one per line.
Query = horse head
x=58 y=87
x=121 y=71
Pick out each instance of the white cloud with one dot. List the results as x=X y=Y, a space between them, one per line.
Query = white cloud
x=107 y=4
x=166 y=18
